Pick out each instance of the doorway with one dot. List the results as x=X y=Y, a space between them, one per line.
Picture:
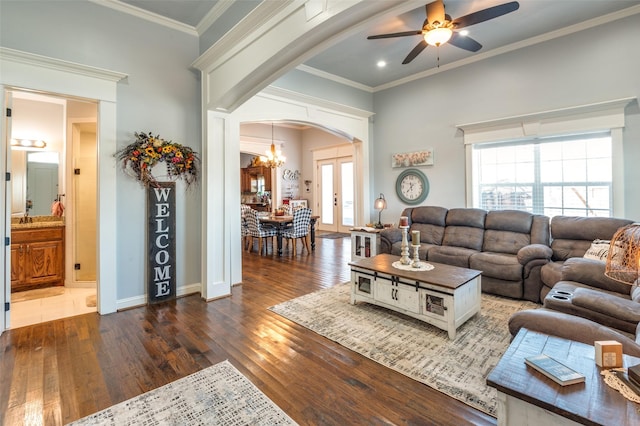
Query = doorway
x=336 y=194
x=50 y=118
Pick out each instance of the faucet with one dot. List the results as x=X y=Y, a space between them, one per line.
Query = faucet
x=26 y=218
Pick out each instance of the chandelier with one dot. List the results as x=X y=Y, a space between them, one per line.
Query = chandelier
x=273 y=158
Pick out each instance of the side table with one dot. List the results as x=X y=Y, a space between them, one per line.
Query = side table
x=527 y=397
x=365 y=242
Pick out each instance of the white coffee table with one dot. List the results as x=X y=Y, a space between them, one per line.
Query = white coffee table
x=445 y=296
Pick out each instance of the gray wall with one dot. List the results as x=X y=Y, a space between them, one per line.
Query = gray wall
x=161 y=95
x=591 y=66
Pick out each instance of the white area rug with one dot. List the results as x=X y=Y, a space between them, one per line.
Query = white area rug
x=458 y=368
x=218 y=395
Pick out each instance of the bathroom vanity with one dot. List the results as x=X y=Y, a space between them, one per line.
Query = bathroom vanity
x=37 y=253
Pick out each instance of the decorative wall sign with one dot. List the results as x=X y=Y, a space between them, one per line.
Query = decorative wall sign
x=288 y=174
x=161 y=235
x=411 y=159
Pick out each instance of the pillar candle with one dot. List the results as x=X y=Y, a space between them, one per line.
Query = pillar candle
x=415 y=238
x=404 y=221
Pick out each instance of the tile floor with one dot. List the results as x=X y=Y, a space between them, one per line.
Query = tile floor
x=72 y=302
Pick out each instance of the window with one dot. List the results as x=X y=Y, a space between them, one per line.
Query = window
x=569 y=175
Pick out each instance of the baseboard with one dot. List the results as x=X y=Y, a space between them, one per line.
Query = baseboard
x=137 y=301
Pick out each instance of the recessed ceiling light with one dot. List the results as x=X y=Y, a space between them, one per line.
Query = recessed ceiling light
x=382 y=64
x=463 y=33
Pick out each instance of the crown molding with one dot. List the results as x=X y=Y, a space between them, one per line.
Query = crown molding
x=335 y=78
x=277 y=92
x=213 y=15
x=60 y=65
x=146 y=15
x=263 y=17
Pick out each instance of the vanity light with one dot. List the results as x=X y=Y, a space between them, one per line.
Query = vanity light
x=28 y=143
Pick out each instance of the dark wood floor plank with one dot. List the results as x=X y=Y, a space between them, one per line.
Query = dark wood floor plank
x=86 y=363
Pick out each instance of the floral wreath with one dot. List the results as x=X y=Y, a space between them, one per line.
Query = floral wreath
x=148 y=150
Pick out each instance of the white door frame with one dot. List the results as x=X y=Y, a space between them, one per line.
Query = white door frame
x=27 y=71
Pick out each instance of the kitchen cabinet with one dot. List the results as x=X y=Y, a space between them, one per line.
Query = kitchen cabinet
x=37 y=258
x=255 y=179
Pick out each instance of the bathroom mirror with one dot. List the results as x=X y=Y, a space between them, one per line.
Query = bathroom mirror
x=34 y=182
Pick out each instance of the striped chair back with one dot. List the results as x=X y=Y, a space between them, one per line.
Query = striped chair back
x=255 y=227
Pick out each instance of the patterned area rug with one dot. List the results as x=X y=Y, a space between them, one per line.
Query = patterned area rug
x=218 y=395
x=457 y=368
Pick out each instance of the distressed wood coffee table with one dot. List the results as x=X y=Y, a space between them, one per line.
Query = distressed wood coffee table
x=444 y=297
x=528 y=398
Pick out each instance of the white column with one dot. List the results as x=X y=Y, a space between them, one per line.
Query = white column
x=107 y=207
x=221 y=245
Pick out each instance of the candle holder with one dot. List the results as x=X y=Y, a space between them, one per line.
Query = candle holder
x=404 y=248
x=416 y=259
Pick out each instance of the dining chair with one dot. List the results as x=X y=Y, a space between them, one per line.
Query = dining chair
x=257 y=230
x=299 y=229
x=244 y=209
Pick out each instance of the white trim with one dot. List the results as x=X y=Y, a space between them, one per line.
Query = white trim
x=136 y=301
x=604 y=115
x=146 y=15
x=24 y=71
x=617 y=172
x=213 y=15
x=27 y=58
x=333 y=77
x=256 y=23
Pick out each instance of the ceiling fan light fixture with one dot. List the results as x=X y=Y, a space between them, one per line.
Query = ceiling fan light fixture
x=438 y=36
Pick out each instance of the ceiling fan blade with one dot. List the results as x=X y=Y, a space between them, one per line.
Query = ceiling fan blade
x=486 y=14
x=435 y=12
x=415 y=52
x=391 y=35
x=465 y=42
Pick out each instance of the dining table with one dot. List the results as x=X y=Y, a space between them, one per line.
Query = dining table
x=282 y=222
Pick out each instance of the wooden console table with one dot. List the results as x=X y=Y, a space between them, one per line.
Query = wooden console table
x=526 y=397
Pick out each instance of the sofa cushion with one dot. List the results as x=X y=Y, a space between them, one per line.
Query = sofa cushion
x=504 y=241
x=463 y=236
x=608 y=304
x=562 y=299
x=451 y=255
x=509 y=220
x=499 y=265
x=432 y=215
x=430 y=234
x=572 y=235
x=566 y=249
x=466 y=217
x=591 y=273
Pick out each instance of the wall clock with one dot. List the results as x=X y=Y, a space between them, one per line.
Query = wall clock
x=412 y=186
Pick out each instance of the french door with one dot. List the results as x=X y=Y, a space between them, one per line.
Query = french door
x=336 y=194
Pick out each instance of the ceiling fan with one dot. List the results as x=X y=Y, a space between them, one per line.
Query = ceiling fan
x=438 y=28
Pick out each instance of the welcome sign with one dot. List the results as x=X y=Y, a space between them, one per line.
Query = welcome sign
x=161 y=231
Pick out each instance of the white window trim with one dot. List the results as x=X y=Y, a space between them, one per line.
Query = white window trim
x=602 y=116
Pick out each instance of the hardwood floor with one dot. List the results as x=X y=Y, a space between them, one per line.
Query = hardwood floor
x=59 y=371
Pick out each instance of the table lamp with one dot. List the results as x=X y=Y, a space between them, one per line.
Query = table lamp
x=623 y=265
x=380 y=204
